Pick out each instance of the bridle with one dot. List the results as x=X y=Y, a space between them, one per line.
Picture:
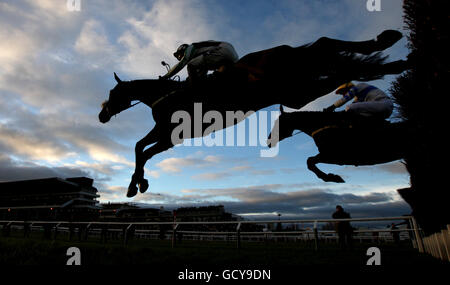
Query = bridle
x=108 y=108
x=107 y=103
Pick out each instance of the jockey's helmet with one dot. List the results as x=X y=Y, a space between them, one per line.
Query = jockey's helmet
x=180 y=51
x=344 y=88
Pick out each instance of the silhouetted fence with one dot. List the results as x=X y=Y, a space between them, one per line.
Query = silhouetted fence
x=303 y=230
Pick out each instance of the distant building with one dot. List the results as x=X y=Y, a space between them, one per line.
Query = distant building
x=204 y=214
x=49 y=199
x=128 y=212
x=75 y=199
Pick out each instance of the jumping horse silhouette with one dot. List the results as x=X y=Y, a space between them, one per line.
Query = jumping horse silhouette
x=281 y=75
x=344 y=139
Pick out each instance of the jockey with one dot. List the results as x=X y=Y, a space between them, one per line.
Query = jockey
x=201 y=57
x=369 y=101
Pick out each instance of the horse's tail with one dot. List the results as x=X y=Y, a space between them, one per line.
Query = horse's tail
x=362 y=67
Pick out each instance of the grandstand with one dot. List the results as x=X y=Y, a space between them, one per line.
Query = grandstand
x=49 y=199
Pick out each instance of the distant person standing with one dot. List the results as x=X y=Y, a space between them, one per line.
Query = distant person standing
x=395 y=233
x=343 y=228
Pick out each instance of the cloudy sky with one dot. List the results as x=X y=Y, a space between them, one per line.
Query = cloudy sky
x=56 y=68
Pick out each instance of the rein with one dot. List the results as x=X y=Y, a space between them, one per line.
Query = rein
x=322 y=129
x=131 y=105
x=152 y=105
x=159 y=100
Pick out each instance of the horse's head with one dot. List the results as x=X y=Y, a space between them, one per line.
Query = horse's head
x=281 y=129
x=118 y=101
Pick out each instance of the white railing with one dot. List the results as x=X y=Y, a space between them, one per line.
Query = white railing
x=311 y=234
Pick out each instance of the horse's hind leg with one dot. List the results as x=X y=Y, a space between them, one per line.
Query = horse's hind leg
x=384 y=40
x=330 y=177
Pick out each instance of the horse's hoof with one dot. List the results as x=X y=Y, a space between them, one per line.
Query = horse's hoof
x=132 y=190
x=143 y=185
x=334 y=178
x=387 y=39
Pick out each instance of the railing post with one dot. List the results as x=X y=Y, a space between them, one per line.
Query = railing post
x=174 y=235
x=56 y=231
x=26 y=229
x=80 y=231
x=238 y=236
x=125 y=235
x=7 y=229
x=417 y=234
x=104 y=233
x=411 y=235
x=316 y=237
x=47 y=231
x=86 y=232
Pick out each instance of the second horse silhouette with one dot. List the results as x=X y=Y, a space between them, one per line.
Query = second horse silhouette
x=344 y=139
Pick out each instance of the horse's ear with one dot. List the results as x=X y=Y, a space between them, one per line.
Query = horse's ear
x=281 y=109
x=117 y=78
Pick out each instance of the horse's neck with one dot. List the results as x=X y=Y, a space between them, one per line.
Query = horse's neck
x=149 y=90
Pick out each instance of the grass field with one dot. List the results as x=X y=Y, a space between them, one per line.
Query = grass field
x=17 y=250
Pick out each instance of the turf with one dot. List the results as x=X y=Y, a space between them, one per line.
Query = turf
x=35 y=250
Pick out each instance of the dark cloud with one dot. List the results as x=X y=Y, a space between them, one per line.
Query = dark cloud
x=11 y=170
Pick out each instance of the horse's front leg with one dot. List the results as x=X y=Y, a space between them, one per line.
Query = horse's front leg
x=330 y=177
x=138 y=176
